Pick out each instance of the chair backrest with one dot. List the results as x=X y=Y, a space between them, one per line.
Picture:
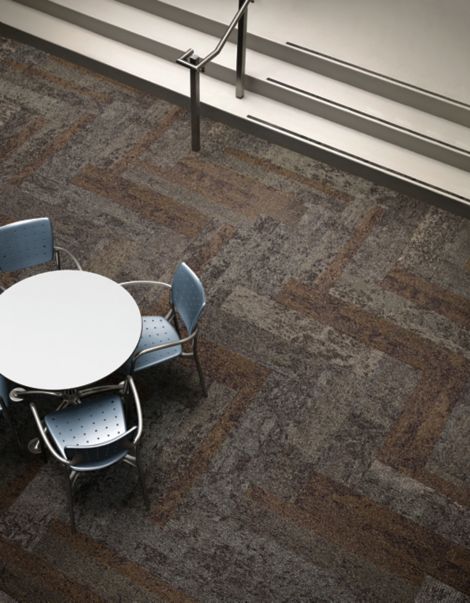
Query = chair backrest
x=25 y=244
x=100 y=453
x=188 y=296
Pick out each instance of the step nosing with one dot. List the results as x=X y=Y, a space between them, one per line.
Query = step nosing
x=69 y=15
x=370 y=117
x=445 y=191
x=381 y=76
x=340 y=62
x=363 y=160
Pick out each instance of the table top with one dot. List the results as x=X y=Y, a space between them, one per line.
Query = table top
x=66 y=329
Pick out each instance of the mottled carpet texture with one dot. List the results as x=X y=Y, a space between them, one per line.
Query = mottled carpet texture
x=330 y=460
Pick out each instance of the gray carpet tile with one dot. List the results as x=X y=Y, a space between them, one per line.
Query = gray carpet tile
x=330 y=460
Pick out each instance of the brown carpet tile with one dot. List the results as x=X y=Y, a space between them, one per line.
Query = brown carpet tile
x=330 y=461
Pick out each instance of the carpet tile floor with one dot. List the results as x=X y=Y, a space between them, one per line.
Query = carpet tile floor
x=330 y=460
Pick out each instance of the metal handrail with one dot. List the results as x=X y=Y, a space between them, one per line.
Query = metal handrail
x=200 y=66
x=193 y=62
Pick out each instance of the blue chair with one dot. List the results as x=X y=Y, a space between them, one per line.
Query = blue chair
x=4 y=406
x=29 y=243
x=161 y=338
x=92 y=435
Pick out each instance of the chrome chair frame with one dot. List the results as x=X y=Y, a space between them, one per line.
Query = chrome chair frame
x=17 y=394
x=71 y=465
x=171 y=316
x=58 y=250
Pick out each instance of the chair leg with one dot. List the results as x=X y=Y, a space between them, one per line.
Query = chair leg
x=69 y=490
x=199 y=370
x=141 y=478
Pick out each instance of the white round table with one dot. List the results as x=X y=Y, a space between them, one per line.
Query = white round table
x=66 y=329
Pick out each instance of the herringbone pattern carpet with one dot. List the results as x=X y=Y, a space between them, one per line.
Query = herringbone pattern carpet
x=330 y=460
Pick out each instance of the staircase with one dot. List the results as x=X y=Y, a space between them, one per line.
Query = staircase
x=399 y=134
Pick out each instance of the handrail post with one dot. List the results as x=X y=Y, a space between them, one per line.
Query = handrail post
x=196 y=65
x=195 y=77
x=241 y=52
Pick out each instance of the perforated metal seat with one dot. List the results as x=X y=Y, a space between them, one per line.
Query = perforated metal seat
x=161 y=338
x=94 y=422
x=29 y=243
x=92 y=435
x=156 y=330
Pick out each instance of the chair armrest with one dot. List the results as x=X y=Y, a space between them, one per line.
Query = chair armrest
x=60 y=250
x=159 y=283
x=138 y=408
x=170 y=314
x=18 y=393
x=162 y=346
x=43 y=436
x=100 y=389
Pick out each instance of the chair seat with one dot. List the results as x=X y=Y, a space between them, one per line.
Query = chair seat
x=92 y=422
x=155 y=331
x=187 y=301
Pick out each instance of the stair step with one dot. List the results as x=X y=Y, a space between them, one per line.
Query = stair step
x=295 y=31
x=295 y=86
x=255 y=112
